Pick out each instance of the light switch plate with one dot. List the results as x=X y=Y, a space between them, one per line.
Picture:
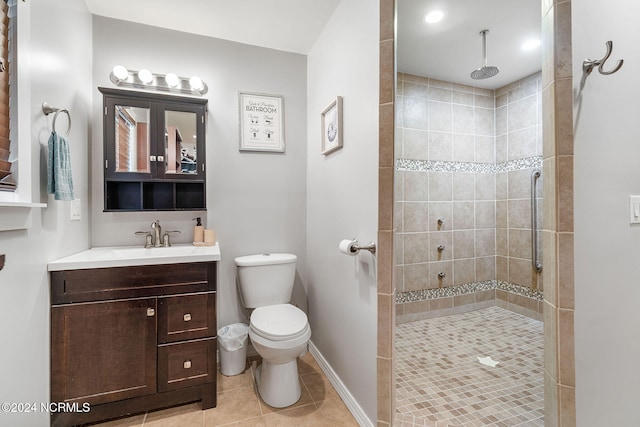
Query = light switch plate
x=634 y=209
x=76 y=210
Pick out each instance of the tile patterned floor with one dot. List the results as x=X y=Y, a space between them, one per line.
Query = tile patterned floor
x=440 y=382
x=240 y=406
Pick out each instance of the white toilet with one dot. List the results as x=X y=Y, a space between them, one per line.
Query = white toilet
x=278 y=330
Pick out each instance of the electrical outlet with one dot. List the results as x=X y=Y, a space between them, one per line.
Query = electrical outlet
x=76 y=210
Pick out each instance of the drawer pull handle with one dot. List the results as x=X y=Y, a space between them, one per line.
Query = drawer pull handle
x=187 y=317
x=187 y=364
x=151 y=312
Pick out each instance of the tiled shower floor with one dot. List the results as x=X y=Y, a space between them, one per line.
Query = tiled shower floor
x=439 y=381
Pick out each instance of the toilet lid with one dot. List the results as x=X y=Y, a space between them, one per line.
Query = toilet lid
x=279 y=321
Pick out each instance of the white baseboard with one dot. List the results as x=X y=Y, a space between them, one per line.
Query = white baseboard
x=345 y=394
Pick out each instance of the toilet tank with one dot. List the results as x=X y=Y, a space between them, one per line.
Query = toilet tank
x=265 y=279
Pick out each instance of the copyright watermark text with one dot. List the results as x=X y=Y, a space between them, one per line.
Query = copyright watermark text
x=51 y=407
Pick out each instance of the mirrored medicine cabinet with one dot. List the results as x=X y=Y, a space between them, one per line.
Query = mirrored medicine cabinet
x=154 y=151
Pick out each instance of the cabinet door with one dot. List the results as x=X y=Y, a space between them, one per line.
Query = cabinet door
x=104 y=351
x=184 y=141
x=129 y=136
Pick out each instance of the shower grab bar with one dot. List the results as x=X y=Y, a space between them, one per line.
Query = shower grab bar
x=537 y=265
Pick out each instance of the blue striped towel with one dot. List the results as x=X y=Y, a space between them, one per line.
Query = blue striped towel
x=59 y=180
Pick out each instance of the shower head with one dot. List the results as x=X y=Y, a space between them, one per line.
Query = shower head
x=484 y=72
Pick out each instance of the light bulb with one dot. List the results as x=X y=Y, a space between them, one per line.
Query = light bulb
x=196 y=83
x=530 y=44
x=120 y=72
x=145 y=76
x=433 y=17
x=172 y=80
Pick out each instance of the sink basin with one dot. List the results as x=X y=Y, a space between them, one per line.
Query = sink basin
x=123 y=256
x=173 y=251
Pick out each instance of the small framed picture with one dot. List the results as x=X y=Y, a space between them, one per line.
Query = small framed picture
x=332 y=127
x=261 y=122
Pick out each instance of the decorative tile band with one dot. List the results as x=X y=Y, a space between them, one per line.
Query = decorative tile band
x=467 y=167
x=520 y=290
x=468 y=288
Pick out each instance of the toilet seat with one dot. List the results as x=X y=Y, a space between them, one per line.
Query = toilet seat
x=279 y=322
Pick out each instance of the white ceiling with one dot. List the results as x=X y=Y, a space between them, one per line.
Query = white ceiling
x=289 y=25
x=451 y=49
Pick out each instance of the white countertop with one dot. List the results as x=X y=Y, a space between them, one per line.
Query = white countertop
x=125 y=256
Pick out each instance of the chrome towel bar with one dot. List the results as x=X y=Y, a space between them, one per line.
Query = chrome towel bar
x=537 y=265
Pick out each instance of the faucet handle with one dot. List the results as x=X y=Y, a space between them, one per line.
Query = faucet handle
x=165 y=238
x=148 y=239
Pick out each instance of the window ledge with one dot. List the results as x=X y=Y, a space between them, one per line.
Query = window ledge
x=22 y=205
x=17 y=215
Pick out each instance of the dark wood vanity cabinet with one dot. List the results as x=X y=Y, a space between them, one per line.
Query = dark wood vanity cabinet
x=127 y=340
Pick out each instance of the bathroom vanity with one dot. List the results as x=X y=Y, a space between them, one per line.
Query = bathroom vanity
x=133 y=330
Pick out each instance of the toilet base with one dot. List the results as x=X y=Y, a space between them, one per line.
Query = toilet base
x=278 y=384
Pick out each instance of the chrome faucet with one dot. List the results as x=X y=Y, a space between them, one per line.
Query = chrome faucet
x=157 y=233
x=154 y=238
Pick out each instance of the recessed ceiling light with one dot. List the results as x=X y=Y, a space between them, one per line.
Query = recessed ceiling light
x=530 y=44
x=433 y=17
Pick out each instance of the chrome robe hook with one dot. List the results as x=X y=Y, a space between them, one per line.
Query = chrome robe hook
x=589 y=64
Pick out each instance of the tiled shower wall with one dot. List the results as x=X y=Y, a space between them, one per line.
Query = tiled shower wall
x=463 y=211
x=518 y=137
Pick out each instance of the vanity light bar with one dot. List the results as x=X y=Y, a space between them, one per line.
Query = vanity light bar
x=145 y=79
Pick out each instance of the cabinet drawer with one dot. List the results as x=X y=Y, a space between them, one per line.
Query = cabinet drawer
x=186 y=317
x=99 y=284
x=186 y=364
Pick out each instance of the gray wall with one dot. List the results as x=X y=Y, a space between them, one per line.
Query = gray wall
x=342 y=194
x=255 y=201
x=607 y=342
x=60 y=74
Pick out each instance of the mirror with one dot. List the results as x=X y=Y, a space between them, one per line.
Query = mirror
x=181 y=146
x=132 y=139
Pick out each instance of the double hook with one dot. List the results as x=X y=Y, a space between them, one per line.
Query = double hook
x=589 y=64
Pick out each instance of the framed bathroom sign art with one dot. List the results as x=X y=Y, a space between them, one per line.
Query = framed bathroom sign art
x=332 y=127
x=261 y=122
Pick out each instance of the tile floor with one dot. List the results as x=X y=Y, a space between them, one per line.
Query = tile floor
x=440 y=382
x=240 y=406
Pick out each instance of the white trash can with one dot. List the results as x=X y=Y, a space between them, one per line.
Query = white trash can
x=232 y=340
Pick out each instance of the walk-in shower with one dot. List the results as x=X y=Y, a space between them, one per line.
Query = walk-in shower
x=467 y=197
